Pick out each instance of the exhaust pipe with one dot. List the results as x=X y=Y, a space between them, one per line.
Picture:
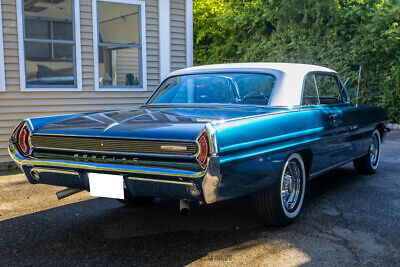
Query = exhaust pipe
x=67 y=192
x=35 y=174
x=184 y=207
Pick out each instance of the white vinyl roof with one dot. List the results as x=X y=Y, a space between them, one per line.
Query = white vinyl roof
x=289 y=77
x=284 y=67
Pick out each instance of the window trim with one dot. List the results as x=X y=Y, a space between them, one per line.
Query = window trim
x=338 y=80
x=2 y=59
x=78 y=55
x=142 y=21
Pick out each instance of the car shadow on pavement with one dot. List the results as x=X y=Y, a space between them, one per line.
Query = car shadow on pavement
x=102 y=231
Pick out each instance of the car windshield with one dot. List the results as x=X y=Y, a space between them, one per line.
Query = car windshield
x=222 y=88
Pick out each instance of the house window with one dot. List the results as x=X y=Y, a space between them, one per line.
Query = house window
x=120 y=43
x=49 y=43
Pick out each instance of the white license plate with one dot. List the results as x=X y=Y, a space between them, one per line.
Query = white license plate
x=106 y=185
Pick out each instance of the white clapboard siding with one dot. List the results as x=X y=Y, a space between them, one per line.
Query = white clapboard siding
x=16 y=105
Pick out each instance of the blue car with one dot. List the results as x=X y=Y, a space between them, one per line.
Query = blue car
x=207 y=134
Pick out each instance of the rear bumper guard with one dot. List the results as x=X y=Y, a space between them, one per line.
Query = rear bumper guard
x=63 y=173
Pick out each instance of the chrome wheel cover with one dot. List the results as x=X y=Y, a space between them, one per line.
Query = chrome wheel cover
x=291 y=185
x=374 y=150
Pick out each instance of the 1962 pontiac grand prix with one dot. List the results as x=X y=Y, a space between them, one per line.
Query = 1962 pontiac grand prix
x=208 y=134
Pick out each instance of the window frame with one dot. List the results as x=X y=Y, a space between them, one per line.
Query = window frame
x=2 y=65
x=142 y=47
x=333 y=74
x=77 y=55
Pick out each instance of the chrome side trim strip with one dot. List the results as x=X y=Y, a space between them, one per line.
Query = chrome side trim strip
x=262 y=115
x=159 y=181
x=315 y=174
x=60 y=171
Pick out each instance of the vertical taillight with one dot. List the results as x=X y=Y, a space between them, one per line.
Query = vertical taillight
x=204 y=149
x=22 y=137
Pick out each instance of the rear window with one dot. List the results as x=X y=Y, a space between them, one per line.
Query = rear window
x=224 y=88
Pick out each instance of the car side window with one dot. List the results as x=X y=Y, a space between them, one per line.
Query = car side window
x=328 y=89
x=310 y=91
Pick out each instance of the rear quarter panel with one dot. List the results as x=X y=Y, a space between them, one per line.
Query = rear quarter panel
x=253 y=150
x=371 y=118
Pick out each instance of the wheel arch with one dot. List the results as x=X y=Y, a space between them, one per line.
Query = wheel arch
x=307 y=156
x=382 y=129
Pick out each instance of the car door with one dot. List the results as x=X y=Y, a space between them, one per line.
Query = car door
x=322 y=150
x=342 y=117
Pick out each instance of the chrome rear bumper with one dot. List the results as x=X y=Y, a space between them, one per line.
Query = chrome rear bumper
x=165 y=182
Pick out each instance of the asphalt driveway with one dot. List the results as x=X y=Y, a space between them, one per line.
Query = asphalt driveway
x=347 y=219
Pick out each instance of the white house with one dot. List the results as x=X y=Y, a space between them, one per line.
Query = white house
x=70 y=56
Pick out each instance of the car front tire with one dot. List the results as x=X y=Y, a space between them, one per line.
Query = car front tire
x=370 y=162
x=280 y=205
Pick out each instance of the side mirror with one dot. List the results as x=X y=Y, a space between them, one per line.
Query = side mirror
x=346 y=91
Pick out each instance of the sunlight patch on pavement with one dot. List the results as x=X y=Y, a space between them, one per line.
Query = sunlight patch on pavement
x=18 y=197
x=259 y=252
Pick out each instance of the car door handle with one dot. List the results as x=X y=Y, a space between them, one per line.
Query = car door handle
x=353 y=127
x=334 y=117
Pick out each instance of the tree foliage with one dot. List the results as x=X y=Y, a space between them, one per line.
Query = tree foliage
x=339 y=34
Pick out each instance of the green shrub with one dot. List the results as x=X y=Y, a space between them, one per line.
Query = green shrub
x=341 y=34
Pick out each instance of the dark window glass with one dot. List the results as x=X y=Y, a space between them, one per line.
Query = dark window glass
x=328 y=89
x=62 y=30
x=37 y=29
x=228 y=88
x=38 y=51
x=310 y=94
x=49 y=43
x=63 y=52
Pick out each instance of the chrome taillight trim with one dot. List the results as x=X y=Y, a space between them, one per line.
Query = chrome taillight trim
x=15 y=137
x=212 y=143
x=212 y=138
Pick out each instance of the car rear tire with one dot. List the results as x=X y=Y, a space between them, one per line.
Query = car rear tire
x=280 y=205
x=370 y=162
x=136 y=201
